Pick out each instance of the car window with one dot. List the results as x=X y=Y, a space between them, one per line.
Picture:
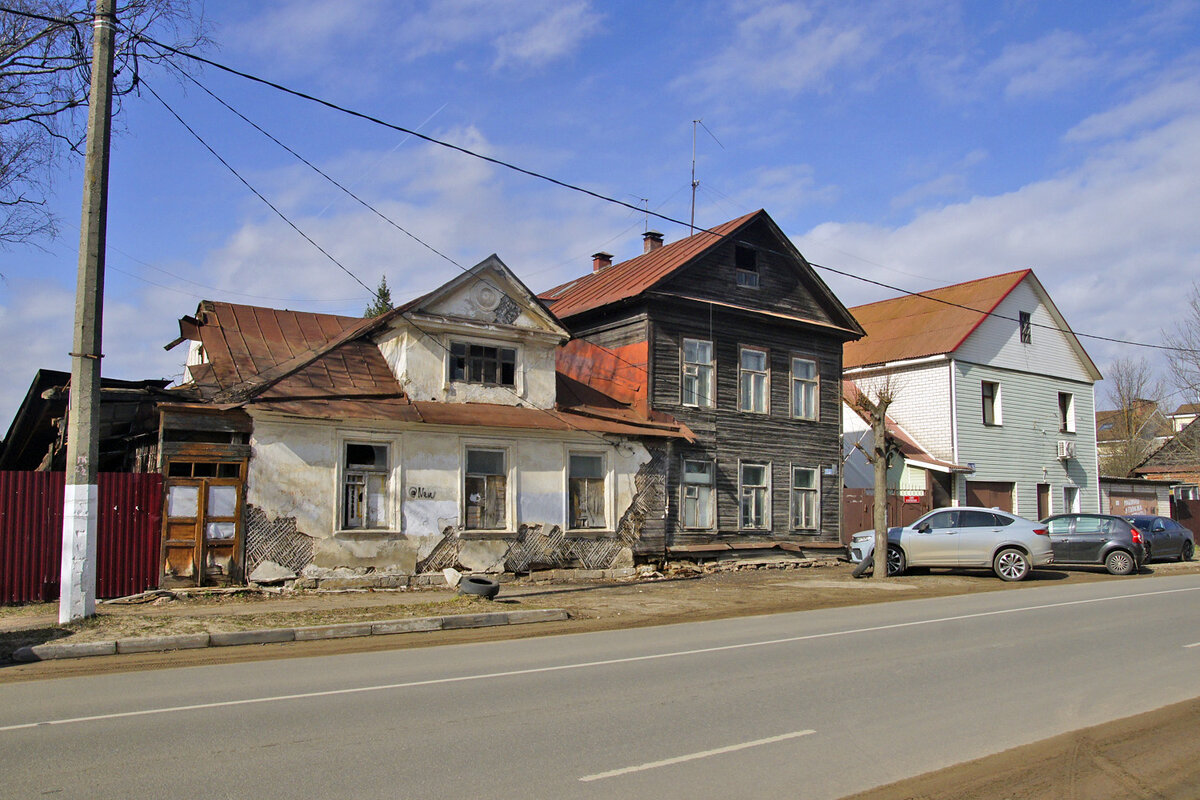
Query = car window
x=1003 y=520
x=942 y=520
x=976 y=519
x=1060 y=526
x=1087 y=524
x=1159 y=525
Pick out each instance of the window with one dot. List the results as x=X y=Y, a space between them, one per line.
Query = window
x=746 y=262
x=1186 y=492
x=804 y=498
x=698 y=371
x=1066 y=412
x=1070 y=499
x=977 y=519
x=486 y=491
x=990 y=391
x=585 y=491
x=698 y=494
x=752 y=378
x=804 y=388
x=942 y=520
x=480 y=363
x=754 y=492
x=1025 y=324
x=364 y=485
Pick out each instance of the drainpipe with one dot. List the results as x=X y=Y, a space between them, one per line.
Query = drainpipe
x=954 y=478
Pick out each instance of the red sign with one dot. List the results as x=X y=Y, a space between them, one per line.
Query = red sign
x=912 y=498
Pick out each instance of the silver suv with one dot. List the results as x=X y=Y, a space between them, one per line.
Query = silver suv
x=966 y=536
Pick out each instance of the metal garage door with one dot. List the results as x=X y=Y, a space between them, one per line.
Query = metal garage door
x=990 y=494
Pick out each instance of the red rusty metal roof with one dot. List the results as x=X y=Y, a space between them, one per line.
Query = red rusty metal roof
x=630 y=278
x=931 y=323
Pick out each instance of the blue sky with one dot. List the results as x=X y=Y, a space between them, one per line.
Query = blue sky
x=914 y=143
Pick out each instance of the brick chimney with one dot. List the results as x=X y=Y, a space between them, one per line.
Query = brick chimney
x=651 y=240
x=601 y=261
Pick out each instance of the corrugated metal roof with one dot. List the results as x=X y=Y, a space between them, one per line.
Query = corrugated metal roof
x=630 y=278
x=916 y=326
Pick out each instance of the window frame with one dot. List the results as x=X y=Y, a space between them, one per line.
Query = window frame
x=815 y=382
x=1025 y=326
x=765 y=373
x=814 y=492
x=606 y=469
x=1066 y=414
x=711 y=505
x=746 y=276
x=467 y=342
x=766 y=495
x=345 y=471
x=997 y=413
x=508 y=523
x=711 y=366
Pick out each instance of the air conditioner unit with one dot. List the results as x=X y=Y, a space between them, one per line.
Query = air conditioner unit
x=1066 y=449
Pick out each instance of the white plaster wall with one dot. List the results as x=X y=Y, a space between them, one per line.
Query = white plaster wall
x=291 y=474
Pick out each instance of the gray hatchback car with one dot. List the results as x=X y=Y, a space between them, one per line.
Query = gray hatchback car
x=1096 y=539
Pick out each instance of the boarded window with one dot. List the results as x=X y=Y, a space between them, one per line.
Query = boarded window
x=364 y=486
x=586 y=491
x=486 y=491
x=479 y=363
x=752 y=379
x=698 y=494
x=804 y=498
x=755 y=494
x=804 y=388
x=698 y=371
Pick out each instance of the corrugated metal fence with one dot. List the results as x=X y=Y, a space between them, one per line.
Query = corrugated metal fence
x=128 y=531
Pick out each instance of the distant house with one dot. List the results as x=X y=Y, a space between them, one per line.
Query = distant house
x=1125 y=437
x=731 y=332
x=988 y=375
x=438 y=434
x=1177 y=461
x=1183 y=415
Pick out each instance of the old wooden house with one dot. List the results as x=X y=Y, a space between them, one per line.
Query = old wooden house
x=731 y=332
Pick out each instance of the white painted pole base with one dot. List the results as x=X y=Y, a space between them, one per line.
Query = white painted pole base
x=77 y=595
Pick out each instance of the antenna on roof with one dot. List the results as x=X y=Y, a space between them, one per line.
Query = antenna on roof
x=646 y=224
x=696 y=183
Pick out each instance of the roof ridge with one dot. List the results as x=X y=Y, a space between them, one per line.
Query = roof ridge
x=930 y=293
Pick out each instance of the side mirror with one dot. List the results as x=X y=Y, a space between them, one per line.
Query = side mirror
x=923 y=528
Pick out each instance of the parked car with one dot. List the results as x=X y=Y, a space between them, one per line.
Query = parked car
x=1096 y=539
x=1009 y=545
x=1164 y=537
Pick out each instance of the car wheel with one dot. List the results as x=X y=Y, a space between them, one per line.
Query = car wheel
x=479 y=586
x=1120 y=562
x=1187 y=551
x=895 y=560
x=861 y=567
x=1010 y=564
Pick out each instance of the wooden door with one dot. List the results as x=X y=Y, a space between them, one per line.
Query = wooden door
x=1043 y=500
x=202 y=531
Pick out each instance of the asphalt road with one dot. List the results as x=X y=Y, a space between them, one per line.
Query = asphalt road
x=761 y=707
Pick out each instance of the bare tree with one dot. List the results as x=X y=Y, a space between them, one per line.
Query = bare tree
x=45 y=75
x=1185 y=338
x=883 y=450
x=1134 y=391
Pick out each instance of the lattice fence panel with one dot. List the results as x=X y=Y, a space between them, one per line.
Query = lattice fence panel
x=444 y=554
x=533 y=547
x=275 y=540
x=594 y=553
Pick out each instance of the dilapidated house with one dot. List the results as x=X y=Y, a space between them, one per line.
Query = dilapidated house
x=439 y=434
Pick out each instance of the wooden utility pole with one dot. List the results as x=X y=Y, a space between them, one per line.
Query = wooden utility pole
x=77 y=598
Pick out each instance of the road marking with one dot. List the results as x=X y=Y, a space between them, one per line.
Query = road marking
x=666 y=762
x=583 y=664
x=1194 y=644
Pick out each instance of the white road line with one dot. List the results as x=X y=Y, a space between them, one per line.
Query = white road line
x=1194 y=644
x=583 y=664
x=666 y=762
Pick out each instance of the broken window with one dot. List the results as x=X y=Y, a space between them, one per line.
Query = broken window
x=698 y=494
x=746 y=262
x=364 y=486
x=804 y=498
x=486 y=491
x=698 y=371
x=586 y=491
x=752 y=378
x=481 y=363
x=755 y=493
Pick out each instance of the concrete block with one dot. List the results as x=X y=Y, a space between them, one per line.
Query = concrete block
x=154 y=644
x=47 y=652
x=458 y=621
x=537 y=615
x=231 y=638
x=342 y=631
x=413 y=625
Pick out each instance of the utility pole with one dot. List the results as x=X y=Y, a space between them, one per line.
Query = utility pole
x=77 y=597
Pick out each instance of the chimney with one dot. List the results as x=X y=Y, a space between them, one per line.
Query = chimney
x=601 y=261
x=651 y=240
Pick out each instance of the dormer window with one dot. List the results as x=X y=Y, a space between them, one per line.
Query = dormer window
x=746 y=261
x=481 y=363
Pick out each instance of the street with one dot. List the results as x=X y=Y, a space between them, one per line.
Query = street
x=772 y=706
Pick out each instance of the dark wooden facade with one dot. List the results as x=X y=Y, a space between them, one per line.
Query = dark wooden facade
x=791 y=313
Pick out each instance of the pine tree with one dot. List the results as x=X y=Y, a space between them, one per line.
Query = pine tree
x=382 y=302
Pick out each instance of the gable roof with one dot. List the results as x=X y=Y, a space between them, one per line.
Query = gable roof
x=931 y=323
x=1180 y=452
x=1145 y=419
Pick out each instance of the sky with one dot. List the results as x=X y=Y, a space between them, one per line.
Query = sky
x=915 y=143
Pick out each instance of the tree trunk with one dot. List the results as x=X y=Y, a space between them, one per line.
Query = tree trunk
x=879 y=430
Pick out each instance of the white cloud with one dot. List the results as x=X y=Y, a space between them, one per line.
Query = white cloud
x=1047 y=66
x=547 y=39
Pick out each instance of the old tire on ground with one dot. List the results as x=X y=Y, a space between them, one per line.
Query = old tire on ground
x=1187 y=551
x=1119 y=562
x=896 y=561
x=863 y=566
x=480 y=586
x=1010 y=564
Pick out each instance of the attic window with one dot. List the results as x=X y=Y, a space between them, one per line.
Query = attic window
x=746 y=262
x=1025 y=323
x=480 y=363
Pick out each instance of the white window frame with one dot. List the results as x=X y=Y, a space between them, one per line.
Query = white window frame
x=705 y=393
x=766 y=379
x=1070 y=498
x=814 y=382
x=814 y=492
x=451 y=340
x=390 y=490
x=1066 y=417
x=606 y=465
x=766 y=506
x=510 y=488
x=711 y=506
x=746 y=278
x=1025 y=327
x=997 y=407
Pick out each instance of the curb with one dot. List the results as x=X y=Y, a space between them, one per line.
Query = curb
x=187 y=641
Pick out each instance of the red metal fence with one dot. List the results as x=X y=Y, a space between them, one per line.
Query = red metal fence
x=31 y=518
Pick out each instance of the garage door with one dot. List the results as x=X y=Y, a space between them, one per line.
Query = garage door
x=990 y=494
x=1127 y=501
